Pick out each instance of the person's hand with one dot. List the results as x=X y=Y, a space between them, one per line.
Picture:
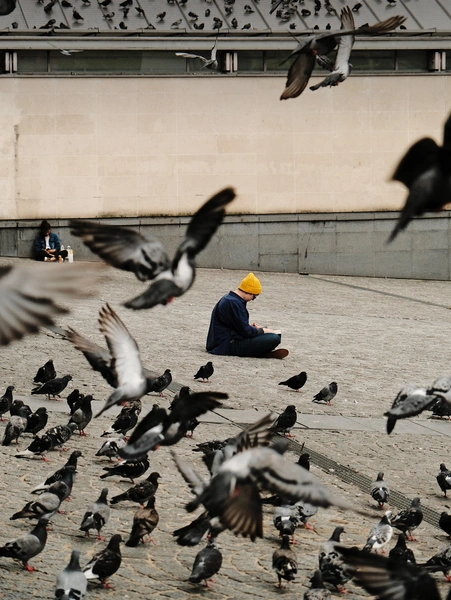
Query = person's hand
x=267 y=330
x=255 y=325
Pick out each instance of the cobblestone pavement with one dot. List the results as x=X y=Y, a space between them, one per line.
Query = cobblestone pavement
x=369 y=335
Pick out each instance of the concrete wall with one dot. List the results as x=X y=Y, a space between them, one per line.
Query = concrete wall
x=131 y=147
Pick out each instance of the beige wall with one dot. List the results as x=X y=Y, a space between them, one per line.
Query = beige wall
x=134 y=147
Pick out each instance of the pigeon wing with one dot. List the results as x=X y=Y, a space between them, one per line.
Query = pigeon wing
x=299 y=74
x=243 y=513
x=186 y=55
x=99 y=358
x=418 y=159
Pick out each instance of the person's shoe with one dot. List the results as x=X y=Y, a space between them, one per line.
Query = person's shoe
x=279 y=353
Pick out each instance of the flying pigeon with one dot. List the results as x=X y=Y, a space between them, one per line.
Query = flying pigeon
x=206 y=563
x=296 y=382
x=209 y=63
x=37 y=421
x=144 y=522
x=5 y=401
x=45 y=373
x=285 y=421
x=53 y=387
x=424 y=170
x=410 y=401
x=162 y=382
x=71 y=582
x=380 y=490
x=332 y=567
x=97 y=516
x=130 y=469
x=318 y=590
x=205 y=372
x=146 y=257
x=121 y=366
x=407 y=520
x=104 y=564
x=307 y=50
x=15 y=427
x=380 y=534
x=444 y=479
x=82 y=414
x=140 y=492
x=284 y=561
x=401 y=552
x=28 y=545
x=327 y=394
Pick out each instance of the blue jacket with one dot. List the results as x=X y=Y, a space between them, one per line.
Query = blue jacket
x=54 y=242
x=229 y=321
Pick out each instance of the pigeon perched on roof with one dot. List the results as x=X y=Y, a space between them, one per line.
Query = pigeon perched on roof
x=445 y=522
x=409 y=519
x=296 y=382
x=6 y=401
x=206 y=563
x=327 y=393
x=162 y=382
x=124 y=422
x=401 y=551
x=284 y=561
x=46 y=506
x=285 y=421
x=71 y=463
x=409 y=402
x=28 y=545
x=205 y=372
x=105 y=563
x=82 y=414
x=160 y=428
x=380 y=534
x=110 y=447
x=37 y=420
x=318 y=590
x=45 y=373
x=15 y=427
x=130 y=469
x=146 y=257
x=425 y=171
x=311 y=46
x=444 y=479
x=121 y=365
x=209 y=63
x=71 y=582
x=97 y=515
x=145 y=520
x=141 y=491
x=332 y=567
x=54 y=387
x=380 y=490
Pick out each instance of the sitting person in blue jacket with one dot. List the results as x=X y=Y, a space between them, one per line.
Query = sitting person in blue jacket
x=47 y=244
x=230 y=332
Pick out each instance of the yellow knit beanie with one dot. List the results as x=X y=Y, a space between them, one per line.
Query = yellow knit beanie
x=251 y=285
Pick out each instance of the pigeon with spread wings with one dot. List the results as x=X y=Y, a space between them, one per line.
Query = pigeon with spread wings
x=146 y=256
x=209 y=63
x=308 y=49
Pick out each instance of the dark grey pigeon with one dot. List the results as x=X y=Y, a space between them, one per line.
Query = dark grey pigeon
x=82 y=414
x=285 y=421
x=401 y=552
x=47 y=504
x=380 y=490
x=61 y=434
x=141 y=492
x=130 y=469
x=37 y=421
x=284 y=561
x=444 y=479
x=73 y=398
x=191 y=534
x=45 y=373
x=296 y=382
x=441 y=561
x=409 y=519
x=58 y=475
x=206 y=563
x=146 y=257
x=327 y=394
x=162 y=382
x=332 y=567
x=105 y=563
x=205 y=372
x=15 y=407
x=37 y=448
x=124 y=422
x=28 y=545
x=445 y=522
x=97 y=516
x=411 y=400
x=15 y=427
x=318 y=590
x=121 y=365
x=425 y=171
x=71 y=582
x=5 y=401
x=54 y=387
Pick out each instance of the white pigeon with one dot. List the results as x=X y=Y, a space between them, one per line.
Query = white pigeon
x=209 y=63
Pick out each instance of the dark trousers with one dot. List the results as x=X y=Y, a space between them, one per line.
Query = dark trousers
x=42 y=254
x=256 y=346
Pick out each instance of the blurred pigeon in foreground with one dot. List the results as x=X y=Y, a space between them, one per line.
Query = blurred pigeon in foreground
x=380 y=490
x=7 y=6
x=332 y=567
x=445 y=522
x=327 y=394
x=144 y=522
x=441 y=561
x=28 y=545
x=205 y=372
x=296 y=382
x=146 y=256
x=71 y=582
x=206 y=563
x=104 y=564
x=318 y=590
x=121 y=366
x=426 y=172
x=45 y=373
x=410 y=401
x=97 y=516
x=284 y=561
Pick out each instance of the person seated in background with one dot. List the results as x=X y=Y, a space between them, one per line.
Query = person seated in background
x=230 y=332
x=47 y=244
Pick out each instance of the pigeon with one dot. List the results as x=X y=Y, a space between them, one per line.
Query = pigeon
x=59 y=474
x=206 y=563
x=424 y=171
x=5 y=401
x=444 y=479
x=163 y=429
x=327 y=394
x=285 y=421
x=140 y=492
x=144 y=522
x=440 y=562
x=284 y=561
x=332 y=567
x=286 y=519
x=28 y=545
x=76 y=15
x=194 y=532
x=83 y=414
x=15 y=427
x=54 y=387
x=445 y=522
x=72 y=399
x=146 y=257
x=317 y=589
x=37 y=448
x=122 y=369
x=29 y=294
x=110 y=448
x=45 y=373
x=380 y=490
x=162 y=382
x=380 y=534
x=124 y=422
x=321 y=44
x=390 y=578
x=15 y=407
x=296 y=382
x=61 y=434
x=441 y=408
x=205 y=372
x=209 y=63
x=71 y=582
x=47 y=505
x=183 y=396
x=37 y=421
x=401 y=552
x=130 y=469
x=104 y=564
x=407 y=520
x=409 y=402
x=97 y=516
